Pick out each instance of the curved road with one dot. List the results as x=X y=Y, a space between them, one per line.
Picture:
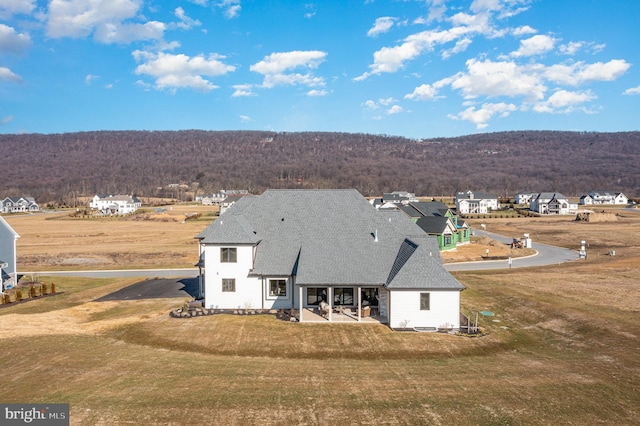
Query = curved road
x=547 y=255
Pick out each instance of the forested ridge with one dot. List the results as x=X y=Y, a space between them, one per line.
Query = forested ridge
x=54 y=167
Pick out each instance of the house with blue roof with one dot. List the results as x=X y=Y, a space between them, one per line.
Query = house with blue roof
x=302 y=249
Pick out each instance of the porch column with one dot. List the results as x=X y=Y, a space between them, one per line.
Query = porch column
x=300 y=304
x=359 y=308
x=330 y=297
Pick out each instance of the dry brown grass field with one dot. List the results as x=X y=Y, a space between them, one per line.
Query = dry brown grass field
x=150 y=239
x=562 y=347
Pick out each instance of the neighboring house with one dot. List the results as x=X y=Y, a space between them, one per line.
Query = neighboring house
x=553 y=203
x=297 y=248
x=115 y=204
x=525 y=197
x=603 y=197
x=399 y=197
x=228 y=202
x=461 y=233
x=218 y=197
x=19 y=205
x=476 y=202
x=8 y=268
x=442 y=228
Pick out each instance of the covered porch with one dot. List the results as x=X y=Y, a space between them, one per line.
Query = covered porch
x=344 y=304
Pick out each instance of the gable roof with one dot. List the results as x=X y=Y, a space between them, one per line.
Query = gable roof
x=330 y=237
x=435 y=224
x=475 y=195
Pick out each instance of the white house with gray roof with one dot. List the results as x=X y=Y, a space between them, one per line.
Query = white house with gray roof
x=8 y=238
x=604 y=197
x=115 y=204
x=476 y=202
x=553 y=203
x=294 y=249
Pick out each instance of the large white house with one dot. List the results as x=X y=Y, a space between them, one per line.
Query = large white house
x=8 y=238
x=603 y=197
x=298 y=248
x=553 y=203
x=18 y=205
x=476 y=202
x=115 y=204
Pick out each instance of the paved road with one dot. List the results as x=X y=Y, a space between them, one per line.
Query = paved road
x=547 y=255
x=124 y=273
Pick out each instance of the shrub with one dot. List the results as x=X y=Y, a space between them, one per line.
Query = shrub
x=53 y=288
x=18 y=295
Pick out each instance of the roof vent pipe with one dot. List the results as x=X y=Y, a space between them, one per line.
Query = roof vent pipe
x=375 y=236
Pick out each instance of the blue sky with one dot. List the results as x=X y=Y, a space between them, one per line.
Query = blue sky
x=419 y=69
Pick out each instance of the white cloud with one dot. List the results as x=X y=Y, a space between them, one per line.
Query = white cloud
x=316 y=92
x=14 y=7
x=126 y=33
x=437 y=10
x=493 y=79
x=181 y=71
x=241 y=90
x=524 y=30
x=105 y=18
x=88 y=79
x=381 y=26
x=245 y=119
x=274 y=68
x=386 y=101
x=231 y=8
x=391 y=59
x=536 y=45
x=632 y=91
x=185 y=21
x=580 y=72
x=6 y=120
x=461 y=46
x=563 y=101
x=13 y=42
x=481 y=116
x=8 y=75
x=425 y=92
x=571 y=48
x=370 y=104
x=396 y=109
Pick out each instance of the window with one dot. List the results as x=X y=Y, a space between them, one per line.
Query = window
x=278 y=288
x=228 y=255
x=447 y=240
x=228 y=285
x=343 y=296
x=370 y=295
x=315 y=295
x=424 y=301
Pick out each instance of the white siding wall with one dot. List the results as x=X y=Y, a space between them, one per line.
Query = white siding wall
x=404 y=309
x=248 y=289
x=251 y=292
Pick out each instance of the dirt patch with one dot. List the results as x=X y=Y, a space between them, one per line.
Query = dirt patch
x=479 y=247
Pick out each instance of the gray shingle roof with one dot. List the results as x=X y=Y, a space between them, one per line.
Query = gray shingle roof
x=331 y=237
